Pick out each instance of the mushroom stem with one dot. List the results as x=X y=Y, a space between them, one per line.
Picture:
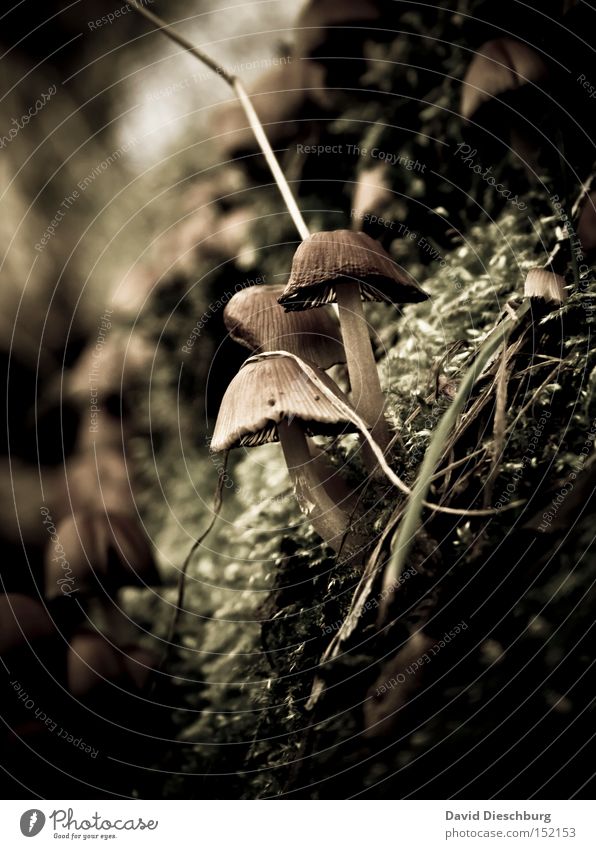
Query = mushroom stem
x=236 y=84
x=326 y=517
x=367 y=394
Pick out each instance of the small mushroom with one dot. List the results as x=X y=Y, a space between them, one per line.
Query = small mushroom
x=499 y=66
x=98 y=669
x=348 y=267
x=100 y=382
x=99 y=553
x=255 y=319
x=273 y=398
x=546 y=285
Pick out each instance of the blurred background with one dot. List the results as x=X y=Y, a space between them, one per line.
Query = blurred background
x=134 y=201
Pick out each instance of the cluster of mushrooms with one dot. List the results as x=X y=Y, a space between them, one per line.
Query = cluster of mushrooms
x=283 y=392
x=94 y=548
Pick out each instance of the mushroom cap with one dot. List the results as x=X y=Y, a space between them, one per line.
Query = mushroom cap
x=269 y=390
x=327 y=259
x=541 y=283
x=92 y=664
x=113 y=367
x=255 y=319
x=99 y=551
x=500 y=65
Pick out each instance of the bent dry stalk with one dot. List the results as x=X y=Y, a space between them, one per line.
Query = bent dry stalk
x=238 y=87
x=362 y=368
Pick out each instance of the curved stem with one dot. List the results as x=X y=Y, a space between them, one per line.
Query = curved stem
x=278 y=174
x=367 y=394
x=246 y=104
x=328 y=520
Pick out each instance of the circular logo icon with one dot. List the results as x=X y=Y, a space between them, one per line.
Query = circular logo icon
x=32 y=822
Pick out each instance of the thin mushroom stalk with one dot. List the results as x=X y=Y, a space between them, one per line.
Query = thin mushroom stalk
x=362 y=369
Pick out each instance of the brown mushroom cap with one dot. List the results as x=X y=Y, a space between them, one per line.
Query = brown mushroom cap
x=99 y=550
x=255 y=319
x=326 y=259
x=268 y=391
x=500 y=65
x=545 y=284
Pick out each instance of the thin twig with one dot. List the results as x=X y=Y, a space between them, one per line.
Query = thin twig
x=411 y=519
x=499 y=426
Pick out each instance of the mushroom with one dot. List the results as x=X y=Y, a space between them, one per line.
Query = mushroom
x=499 y=66
x=274 y=398
x=546 y=285
x=98 y=554
x=94 y=480
x=100 y=381
x=325 y=25
x=255 y=319
x=348 y=267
